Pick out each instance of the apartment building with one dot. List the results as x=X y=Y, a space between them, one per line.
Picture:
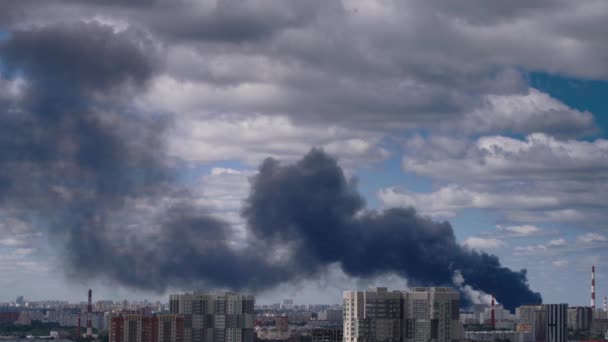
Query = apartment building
x=219 y=317
x=420 y=314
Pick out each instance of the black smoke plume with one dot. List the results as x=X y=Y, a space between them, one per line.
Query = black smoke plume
x=77 y=158
x=312 y=206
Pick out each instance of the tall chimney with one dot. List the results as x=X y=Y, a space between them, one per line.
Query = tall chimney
x=593 y=288
x=89 y=309
x=605 y=304
x=492 y=318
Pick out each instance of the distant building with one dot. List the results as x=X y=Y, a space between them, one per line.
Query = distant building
x=24 y=319
x=221 y=317
x=7 y=317
x=104 y=305
x=580 y=317
x=288 y=304
x=134 y=327
x=326 y=335
x=600 y=314
x=282 y=324
x=498 y=335
x=556 y=322
x=299 y=316
x=599 y=327
x=504 y=319
x=20 y=301
x=331 y=316
x=422 y=314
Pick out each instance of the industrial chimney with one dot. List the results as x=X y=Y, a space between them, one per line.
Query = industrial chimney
x=89 y=309
x=605 y=304
x=593 y=288
x=492 y=317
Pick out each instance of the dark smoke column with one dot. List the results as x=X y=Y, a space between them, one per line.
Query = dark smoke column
x=311 y=205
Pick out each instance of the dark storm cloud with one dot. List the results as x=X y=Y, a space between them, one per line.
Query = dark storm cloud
x=84 y=57
x=70 y=148
x=65 y=120
x=74 y=154
x=230 y=21
x=367 y=65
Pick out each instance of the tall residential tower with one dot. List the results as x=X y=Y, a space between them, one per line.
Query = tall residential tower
x=421 y=314
x=220 y=317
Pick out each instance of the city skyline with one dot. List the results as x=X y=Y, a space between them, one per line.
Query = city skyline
x=298 y=149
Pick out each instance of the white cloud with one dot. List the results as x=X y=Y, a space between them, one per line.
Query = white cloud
x=11 y=242
x=504 y=158
x=539 y=248
x=447 y=200
x=521 y=230
x=11 y=89
x=32 y=266
x=254 y=138
x=475 y=242
x=589 y=238
x=559 y=263
x=24 y=251
x=534 y=111
x=536 y=179
x=557 y=243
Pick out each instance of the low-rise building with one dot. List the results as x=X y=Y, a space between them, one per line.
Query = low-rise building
x=327 y=335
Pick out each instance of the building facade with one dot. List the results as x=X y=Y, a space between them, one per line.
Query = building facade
x=580 y=317
x=533 y=318
x=556 y=322
x=220 y=317
x=422 y=314
x=599 y=327
x=326 y=335
x=135 y=327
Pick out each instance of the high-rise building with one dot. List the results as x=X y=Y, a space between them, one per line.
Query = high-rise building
x=580 y=317
x=128 y=328
x=282 y=324
x=168 y=328
x=535 y=316
x=556 y=322
x=422 y=314
x=220 y=317
x=135 y=327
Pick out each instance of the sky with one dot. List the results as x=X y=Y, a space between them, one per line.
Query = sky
x=146 y=125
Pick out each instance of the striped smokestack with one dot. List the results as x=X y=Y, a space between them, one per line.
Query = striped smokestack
x=593 y=288
x=605 y=304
